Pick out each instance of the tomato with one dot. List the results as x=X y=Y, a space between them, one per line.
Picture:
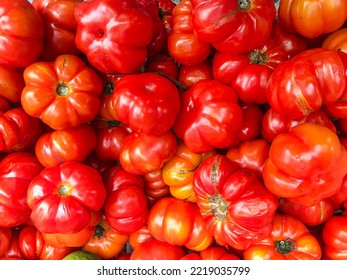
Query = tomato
x=178 y=172
x=154 y=249
x=162 y=63
x=217 y=253
x=125 y=207
x=305 y=165
x=250 y=154
x=64 y=197
x=312 y=18
x=114 y=35
x=337 y=40
x=182 y=43
x=180 y=223
x=12 y=83
x=106 y=242
x=233 y=26
x=19 y=131
x=305 y=83
x=210 y=117
x=142 y=153
x=64 y=93
x=290 y=239
x=334 y=238
x=140 y=236
x=17 y=170
x=189 y=75
x=14 y=251
x=5 y=239
x=60 y=30
x=22 y=33
x=155 y=186
x=236 y=206
x=68 y=144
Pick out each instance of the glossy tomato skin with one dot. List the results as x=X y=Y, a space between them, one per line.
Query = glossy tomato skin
x=12 y=85
x=183 y=44
x=297 y=87
x=140 y=236
x=312 y=18
x=162 y=63
x=334 y=238
x=210 y=117
x=236 y=206
x=5 y=239
x=17 y=170
x=64 y=197
x=60 y=30
x=70 y=144
x=62 y=93
x=290 y=239
x=189 y=75
x=246 y=26
x=104 y=34
x=337 y=40
x=190 y=229
x=155 y=186
x=20 y=46
x=146 y=102
x=305 y=165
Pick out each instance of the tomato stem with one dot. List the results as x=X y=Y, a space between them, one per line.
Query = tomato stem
x=257 y=57
x=62 y=89
x=244 y=4
x=285 y=246
x=64 y=189
x=99 y=231
x=219 y=207
x=109 y=88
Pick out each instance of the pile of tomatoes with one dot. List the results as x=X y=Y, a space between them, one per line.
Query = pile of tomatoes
x=159 y=129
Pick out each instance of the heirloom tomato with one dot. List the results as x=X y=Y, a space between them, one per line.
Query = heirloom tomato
x=17 y=170
x=189 y=75
x=18 y=130
x=64 y=197
x=210 y=117
x=146 y=102
x=234 y=203
x=154 y=249
x=70 y=144
x=114 y=35
x=180 y=223
x=62 y=93
x=303 y=84
x=142 y=153
x=163 y=64
x=178 y=172
x=290 y=239
x=125 y=207
x=12 y=84
x=22 y=33
x=233 y=26
x=182 y=43
x=155 y=186
x=5 y=239
x=140 y=236
x=334 y=236
x=59 y=25
x=106 y=242
x=336 y=40
x=13 y=252
x=305 y=165
x=312 y=18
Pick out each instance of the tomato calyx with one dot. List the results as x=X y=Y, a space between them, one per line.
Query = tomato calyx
x=99 y=231
x=64 y=189
x=62 y=89
x=108 y=88
x=284 y=247
x=244 y=4
x=257 y=57
x=219 y=207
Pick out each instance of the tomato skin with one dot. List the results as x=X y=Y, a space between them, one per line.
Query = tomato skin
x=162 y=63
x=190 y=229
x=17 y=170
x=104 y=34
x=312 y=18
x=154 y=249
x=140 y=236
x=210 y=116
x=68 y=144
x=246 y=26
x=334 y=238
x=289 y=240
x=155 y=186
x=20 y=46
x=236 y=206
x=305 y=165
x=296 y=87
x=12 y=83
x=64 y=93
x=183 y=44
x=337 y=40
x=189 y=75
x=64 y=197
x=5 y=239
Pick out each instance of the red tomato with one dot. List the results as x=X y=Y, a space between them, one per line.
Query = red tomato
x=64 y=93
x=64 y=197
x=155 y=186
x=22 y=33
x=236 y=206
x=5 y=239
x=190 y=229
x=114 y=35
x=189 y=75
x=233 y=26
x=12 y=83
x=305 y=165
x=210 y=117
x=334 y=238
x=68 y=144
x=290 y=239
x=17 y=170
x=164 y=64
x=140 y=236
